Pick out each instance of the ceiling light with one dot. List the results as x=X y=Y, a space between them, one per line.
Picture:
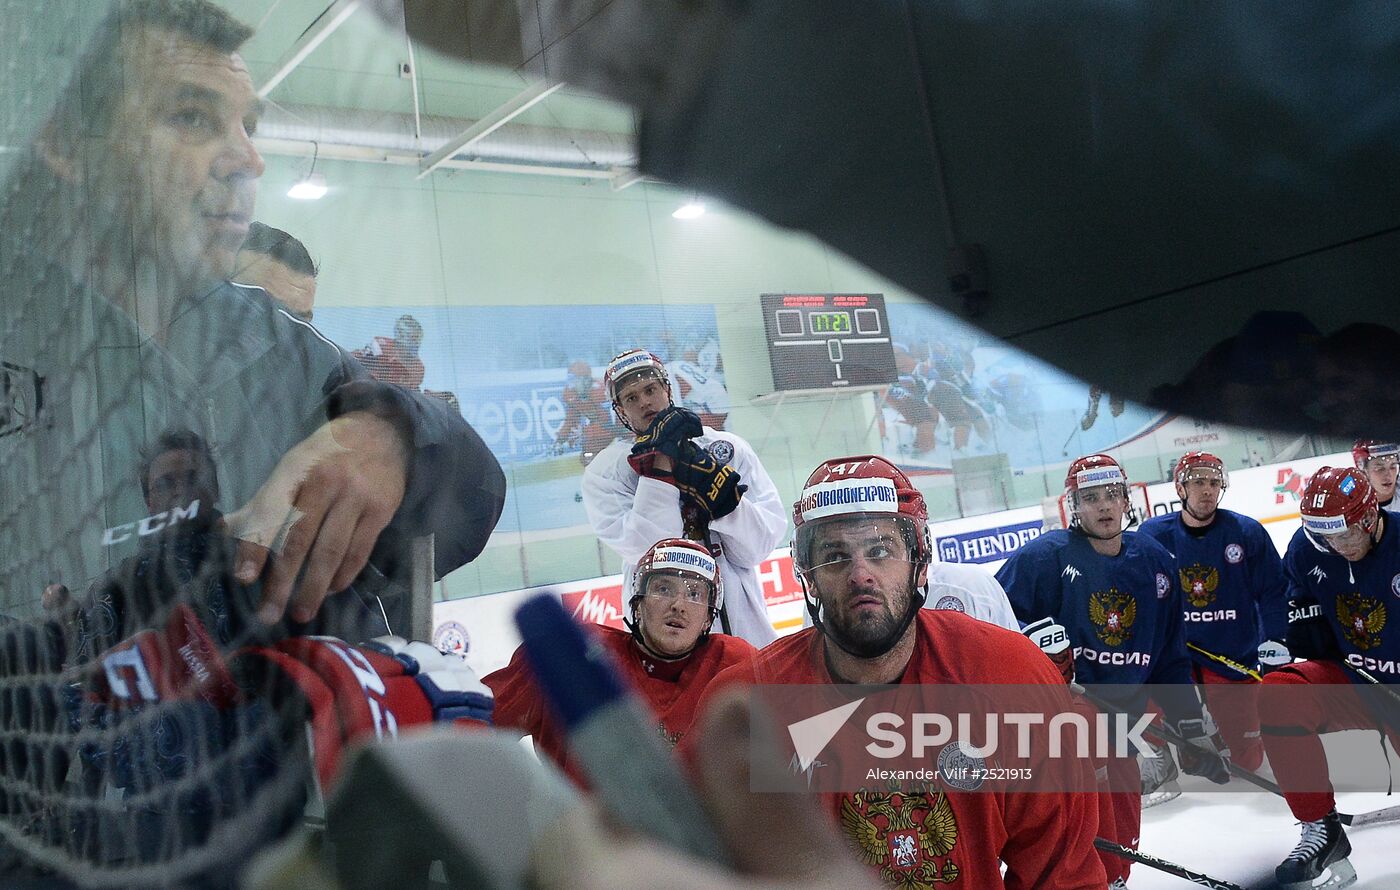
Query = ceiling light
x=690 y=210
x=309 y=189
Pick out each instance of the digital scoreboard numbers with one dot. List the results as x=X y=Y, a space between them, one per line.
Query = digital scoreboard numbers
x=828 y=341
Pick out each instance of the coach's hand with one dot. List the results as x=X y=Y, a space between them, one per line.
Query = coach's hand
x=322 y=510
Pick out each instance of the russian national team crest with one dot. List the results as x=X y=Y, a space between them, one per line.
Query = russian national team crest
x=721 y=450
x=951 y=603
x=1395 y=585
x=909 y=837
x=1198 y=582
x=1164 y=586
x=1362 y=619
x=1234 y=554
x=1113 y=614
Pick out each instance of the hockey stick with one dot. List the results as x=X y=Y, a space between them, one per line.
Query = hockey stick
x=1161 y=728
x=1372 y=817
x=1228 y=662
x=1170 y=868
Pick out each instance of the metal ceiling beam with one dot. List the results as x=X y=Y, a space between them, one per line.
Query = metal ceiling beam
x=306 y=44
x=297 y=148
x=487 y=125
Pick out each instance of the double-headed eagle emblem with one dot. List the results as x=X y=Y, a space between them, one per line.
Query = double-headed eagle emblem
x=1362 y=618
x=1113 y=614
x=904 y=834
x=1199 y=583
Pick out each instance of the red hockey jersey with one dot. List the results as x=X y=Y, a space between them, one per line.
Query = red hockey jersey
x=1046 y=839
x=672 y=689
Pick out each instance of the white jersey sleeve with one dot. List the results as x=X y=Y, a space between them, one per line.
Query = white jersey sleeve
x=970 y=589
x=627 y=512
x=759 y=524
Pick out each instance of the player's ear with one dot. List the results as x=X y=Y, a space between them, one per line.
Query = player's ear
x=922 y=580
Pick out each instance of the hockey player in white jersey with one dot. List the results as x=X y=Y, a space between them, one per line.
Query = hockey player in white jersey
x=675 y=478
x=970 y=589
x=1380 y=461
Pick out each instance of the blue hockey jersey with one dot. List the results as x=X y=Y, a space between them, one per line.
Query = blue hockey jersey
x=1356 y=597
x=1122 y=613
x=1233 y=592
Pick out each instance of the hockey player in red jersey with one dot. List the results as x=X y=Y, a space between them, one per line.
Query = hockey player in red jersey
x=395 y=359
x=862 y=550
x=586 y=422
x=669 y=655
x=1110 y=592
x=1380 y=461
x=1343 y=569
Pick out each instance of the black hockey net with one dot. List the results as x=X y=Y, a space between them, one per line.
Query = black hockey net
x=180 y=791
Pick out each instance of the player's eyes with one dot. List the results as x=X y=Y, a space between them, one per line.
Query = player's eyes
x=195 y=120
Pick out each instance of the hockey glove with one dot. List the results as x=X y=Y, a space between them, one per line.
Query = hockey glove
x=1204 y=753
x=1309 y=633
x=1273 y=655
x=668 y=430
x=349 y=693
x=713 y=487
x=1050 y=636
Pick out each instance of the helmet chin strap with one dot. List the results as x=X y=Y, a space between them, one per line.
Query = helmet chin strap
x=885 y=643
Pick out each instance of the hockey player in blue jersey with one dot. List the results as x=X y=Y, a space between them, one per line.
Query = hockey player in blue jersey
x=1233 y=591
x=1343 y=570
x=1110 y=592
x=1380 y=461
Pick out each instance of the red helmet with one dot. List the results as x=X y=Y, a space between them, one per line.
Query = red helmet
x=1192 y=460
x=1337 y=498
x=679 y=556
x=1365 y=449
x=1092 y=471
x=864 y=485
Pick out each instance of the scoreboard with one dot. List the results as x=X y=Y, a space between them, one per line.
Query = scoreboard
x=828 y=341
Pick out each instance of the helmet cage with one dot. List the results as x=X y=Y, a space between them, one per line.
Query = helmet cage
x=912 y=535
x=1366 y=450
x=675 y=557
x=628 y=367
x=1096 y=472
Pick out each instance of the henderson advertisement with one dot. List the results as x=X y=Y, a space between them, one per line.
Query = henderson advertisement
x=482 y=627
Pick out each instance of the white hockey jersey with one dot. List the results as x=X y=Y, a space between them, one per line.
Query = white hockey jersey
x=629 y=513
x=970 y=589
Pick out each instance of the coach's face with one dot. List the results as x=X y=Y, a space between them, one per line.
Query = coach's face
x=180 y=153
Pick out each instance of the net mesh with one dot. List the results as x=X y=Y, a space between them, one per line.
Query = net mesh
x=94 y=392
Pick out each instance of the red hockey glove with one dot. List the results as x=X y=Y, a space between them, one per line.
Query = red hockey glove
x=376 y=690
x=351 y=693
x=179 y=662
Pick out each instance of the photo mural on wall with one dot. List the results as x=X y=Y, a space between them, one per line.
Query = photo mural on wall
x=962 y=393
x=530 y=381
